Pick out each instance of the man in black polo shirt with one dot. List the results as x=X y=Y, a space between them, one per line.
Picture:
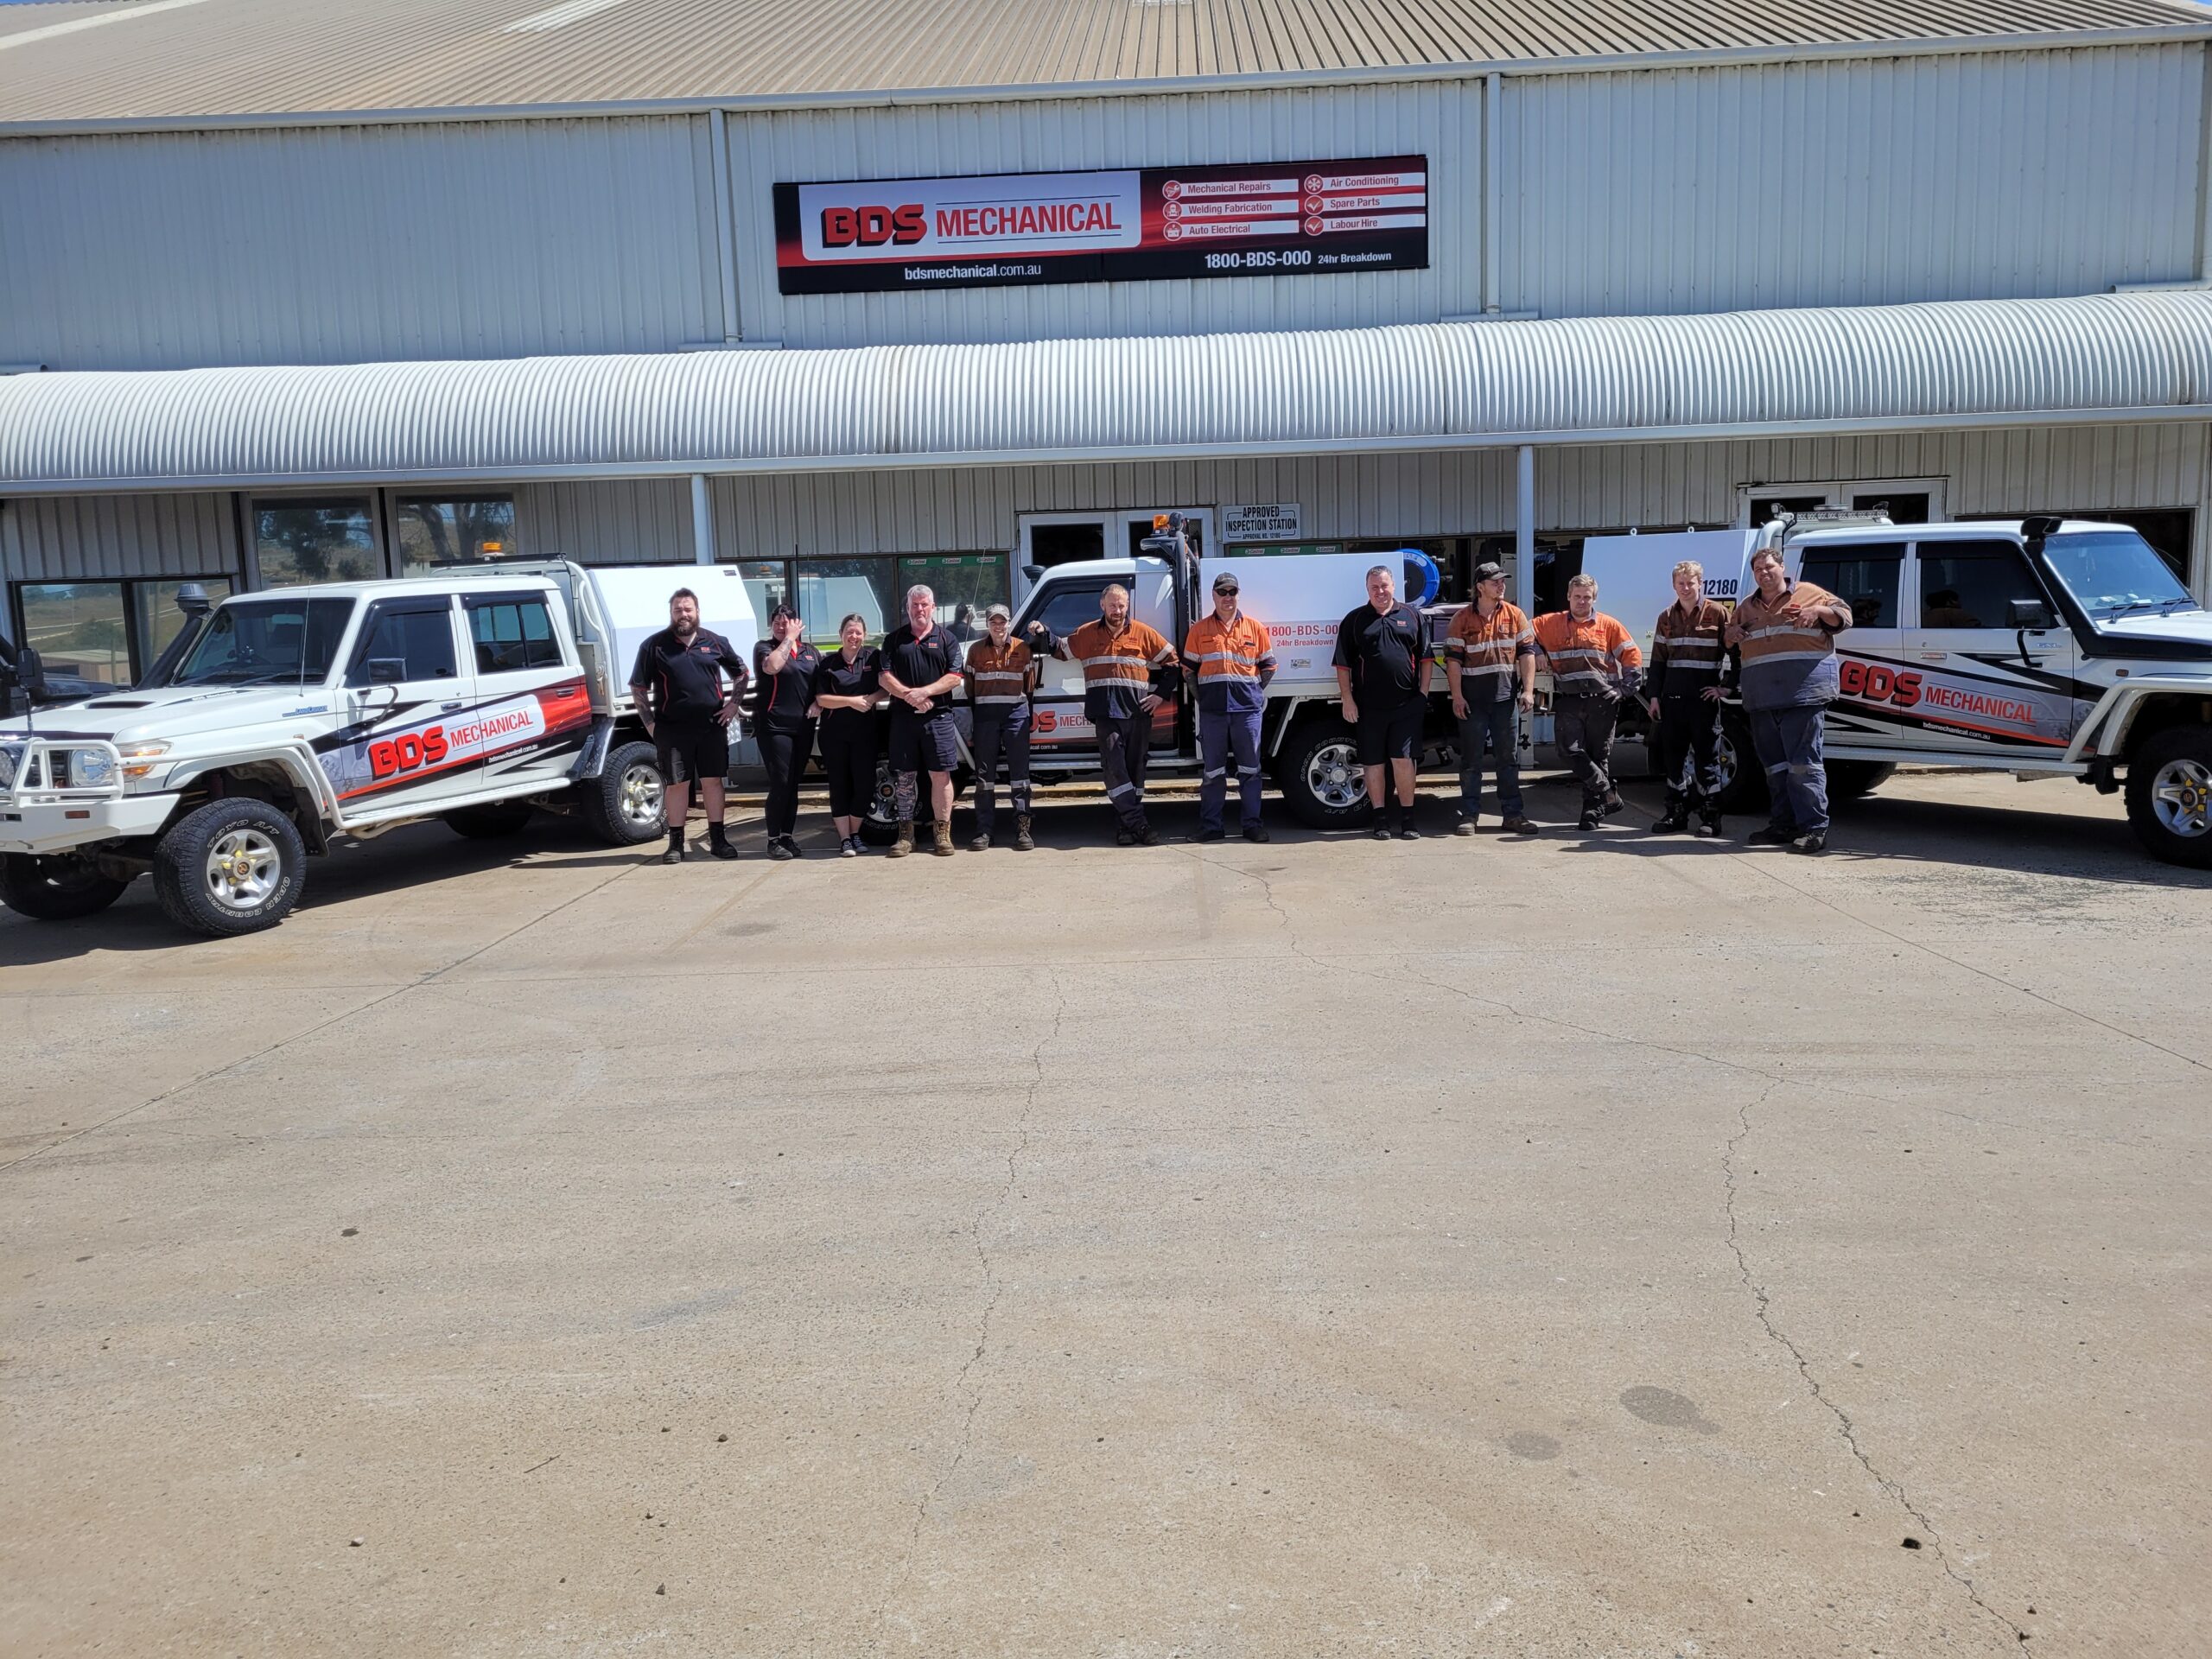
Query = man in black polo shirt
x=1382 y=676
x=677 y=687
x=922 y=668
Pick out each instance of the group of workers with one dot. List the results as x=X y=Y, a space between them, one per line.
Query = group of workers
x=1779 y=645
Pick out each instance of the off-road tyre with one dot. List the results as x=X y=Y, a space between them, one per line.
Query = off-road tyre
x=2167 y=783
x=1743 y=785
x=55 y=889
x=492 y=822
x=1319 y=775
x=622 y=806
x=1851 y=780
x=260 y=848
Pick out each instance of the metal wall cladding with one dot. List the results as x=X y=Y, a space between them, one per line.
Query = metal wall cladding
x=2087 y=469
x=349 y=244
x=1442 y=120
x=608 y=521
x=66 y=538
x=1858 y=182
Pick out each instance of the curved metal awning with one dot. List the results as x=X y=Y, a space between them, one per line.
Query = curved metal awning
x=1986 y=363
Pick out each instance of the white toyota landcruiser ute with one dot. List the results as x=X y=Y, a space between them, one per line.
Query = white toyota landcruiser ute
x=297 y=717
x=2043 y=647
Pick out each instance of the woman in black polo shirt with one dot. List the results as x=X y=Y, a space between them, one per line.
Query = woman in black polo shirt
x=783 y=719
x=845 y=691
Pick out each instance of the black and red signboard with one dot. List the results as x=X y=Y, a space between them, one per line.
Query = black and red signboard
x=1134 y=225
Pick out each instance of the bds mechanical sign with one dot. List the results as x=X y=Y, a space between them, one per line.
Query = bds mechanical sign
x=1134 y=225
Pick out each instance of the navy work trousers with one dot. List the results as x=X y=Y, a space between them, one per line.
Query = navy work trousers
x=1788 y=745
x=1492 y=724
x=1231 y=735
x=1001 y=728
x=1123 y=745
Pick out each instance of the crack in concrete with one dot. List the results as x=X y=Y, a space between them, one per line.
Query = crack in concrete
x=997 y=1290
x=1849 y=1430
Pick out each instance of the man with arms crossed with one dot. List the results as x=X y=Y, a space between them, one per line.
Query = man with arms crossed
x=677 y=687
x=1491 y=654
x=920 y=670
x=1382 y=677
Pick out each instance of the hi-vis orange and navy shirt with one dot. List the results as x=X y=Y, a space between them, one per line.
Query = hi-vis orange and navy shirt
x=1234 y=660
x=998 y=678
x=1687 y=652
x=1785 y=662
x=1119 y=666
x=1486 y=648
x=1595 y=659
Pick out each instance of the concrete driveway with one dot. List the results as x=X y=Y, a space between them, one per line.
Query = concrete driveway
x=1600 y=1246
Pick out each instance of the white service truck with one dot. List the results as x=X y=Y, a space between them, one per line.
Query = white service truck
x=1301 y=596
x=294 y=719
x=2043 y=647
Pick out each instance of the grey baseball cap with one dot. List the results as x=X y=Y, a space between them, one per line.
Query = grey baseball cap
x=1489 y=570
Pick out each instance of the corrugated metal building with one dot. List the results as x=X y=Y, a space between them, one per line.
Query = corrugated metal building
x=196 y=185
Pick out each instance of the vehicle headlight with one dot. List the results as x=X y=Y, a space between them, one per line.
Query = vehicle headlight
x=138 y=758
x=91 y=768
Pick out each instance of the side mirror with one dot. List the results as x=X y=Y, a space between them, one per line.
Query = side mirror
x=387 y=670
x=192 y=600
x=1033 y=571
x=2029 y=615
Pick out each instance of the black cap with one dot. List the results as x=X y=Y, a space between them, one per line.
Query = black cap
x=1225 y=583
x=1489 y=570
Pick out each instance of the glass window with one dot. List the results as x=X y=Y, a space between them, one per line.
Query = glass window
x=436 y=533
x=417 y=634
x=299 y=541
x=80 y=628
x=769 y=582
x=1865 y=578
x=512 y=633
x=153 y=607
x=1069 y=607
x=1972 y=584
x=268 y=640
x=831 y=590
x=964 y=584
x=2114 y=573
x=1052 y=544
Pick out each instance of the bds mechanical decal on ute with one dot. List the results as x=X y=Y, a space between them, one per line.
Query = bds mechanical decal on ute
x=407 y=751
x=1998 y=705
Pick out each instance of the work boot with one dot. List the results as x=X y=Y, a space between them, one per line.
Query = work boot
x=1023 y=841
x=1465 y=826
x=1147 y=835
x=1770 y=836
x=980 y=842
x=1588 y=820
x=1677 y=821
x=905 y=844
x=718 y=842
x=1614 y=803
x=1815 y=843
x=1125 y=836
x=675 y=852
x=1709 y=825
x=942 y=843
x=1256 y=832
x=1381 y=830
x=1518 y=825
x=1213 y=835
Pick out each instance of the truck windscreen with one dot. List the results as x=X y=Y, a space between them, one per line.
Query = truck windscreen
x=267 y=641
x=2113 y=573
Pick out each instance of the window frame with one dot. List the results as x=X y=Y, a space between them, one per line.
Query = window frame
x=1868 y=551
x=472 y=603
x=357 y=657
x=251 y=502
x=137 y=648
x=1922 y=551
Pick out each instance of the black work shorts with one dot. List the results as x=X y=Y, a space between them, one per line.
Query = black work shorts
x=1391 y=734
x=691 y=748
x=923 y=743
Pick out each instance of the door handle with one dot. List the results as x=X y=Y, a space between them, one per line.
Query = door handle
x=1933 y=656
x=450 y=708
